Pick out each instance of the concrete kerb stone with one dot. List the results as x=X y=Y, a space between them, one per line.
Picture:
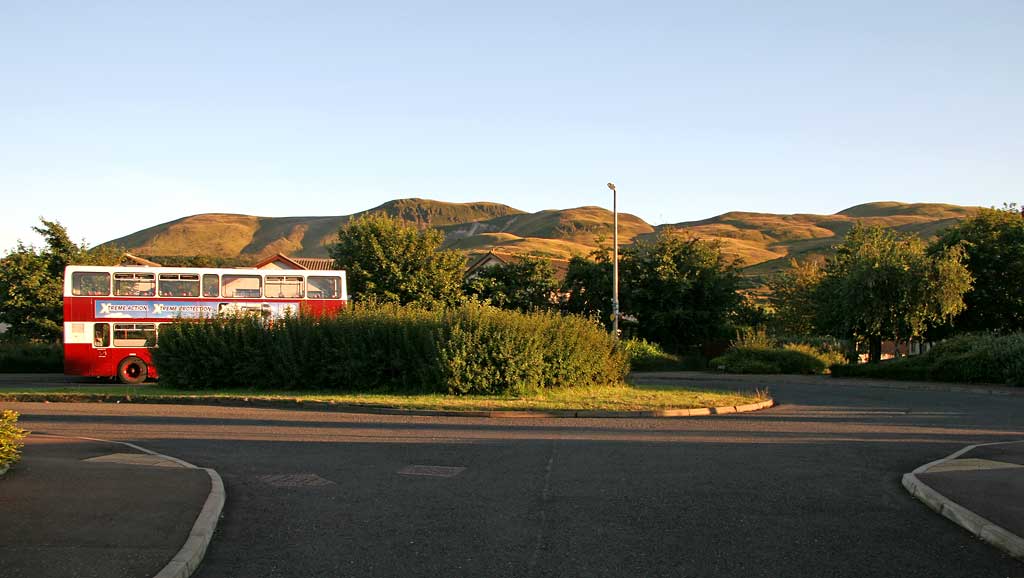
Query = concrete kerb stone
x=981 y=527
x=986 y=389
x=187 y=560
x=380 y=410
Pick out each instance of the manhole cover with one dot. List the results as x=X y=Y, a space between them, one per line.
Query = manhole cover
x=295 y=481
x=431 y=471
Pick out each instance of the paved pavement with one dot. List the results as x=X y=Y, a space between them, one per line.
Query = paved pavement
x=981 y=489
x=810 y=488
x=82 y=508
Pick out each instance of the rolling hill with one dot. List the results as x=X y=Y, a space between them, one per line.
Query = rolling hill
x=230 y=235
x=764 y=242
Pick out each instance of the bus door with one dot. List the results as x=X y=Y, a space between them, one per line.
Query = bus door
x=102 y=362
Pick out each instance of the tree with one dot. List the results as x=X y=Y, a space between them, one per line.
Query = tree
x=793 y=297
x=881 y=285
x=32 y=281
x=525 y=285
x=588 y=285
x=387 y=260
x=680 y=289
x=993 y=245
x=30 y=297
x=752 y=313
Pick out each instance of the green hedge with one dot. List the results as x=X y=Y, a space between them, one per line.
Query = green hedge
x=649 y=356
x=791 y=358
x=964 y=359
x=470 y=349
x=10 y=438
x=30 y=357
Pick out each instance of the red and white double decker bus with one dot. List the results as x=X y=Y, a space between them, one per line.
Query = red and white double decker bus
x=112 y=315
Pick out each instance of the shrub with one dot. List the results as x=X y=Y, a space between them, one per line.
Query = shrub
x=647 y=356
x=980 y=358
x=802 y=359
x=469 y=349
x=754 y=351
x=753 y=338
x=10 y=438
x=20 y=356
x=828 y=355
x=836 y=350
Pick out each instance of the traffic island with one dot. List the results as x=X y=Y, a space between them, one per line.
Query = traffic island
x=633 y=401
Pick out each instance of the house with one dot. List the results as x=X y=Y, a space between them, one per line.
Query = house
x=488 y=259
x=129 y=260
x=492 y=259
x=280 y=261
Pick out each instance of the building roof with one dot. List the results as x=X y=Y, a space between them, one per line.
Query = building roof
x=490 y=259
x=133 y=260
x=281 y=261
x=316 y=263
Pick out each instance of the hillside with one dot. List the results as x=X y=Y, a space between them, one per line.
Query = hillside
x=560 y=234
x=228 y=235
x=765 y=242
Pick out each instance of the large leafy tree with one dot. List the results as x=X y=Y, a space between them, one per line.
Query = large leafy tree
x=680 y=289
x=588 y=286
x=882 y=285
x=388 y=260
x=526 y=284
x=32 y=280
x=793 y=297
x=993 y=245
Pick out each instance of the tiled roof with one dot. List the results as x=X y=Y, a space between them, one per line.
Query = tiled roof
x=559 y=266
x=129 y=259
x=315 y=263
x=307 y=263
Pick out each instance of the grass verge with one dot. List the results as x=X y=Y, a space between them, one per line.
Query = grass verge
x=626 y=398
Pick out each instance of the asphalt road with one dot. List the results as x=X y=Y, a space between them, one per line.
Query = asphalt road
x=809 y=488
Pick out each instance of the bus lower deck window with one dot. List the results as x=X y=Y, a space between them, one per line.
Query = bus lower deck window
x=134 y=334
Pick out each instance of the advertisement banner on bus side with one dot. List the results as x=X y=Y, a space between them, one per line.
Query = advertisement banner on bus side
x=136 y=309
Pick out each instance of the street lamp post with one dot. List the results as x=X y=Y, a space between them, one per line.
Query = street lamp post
x=615 y=260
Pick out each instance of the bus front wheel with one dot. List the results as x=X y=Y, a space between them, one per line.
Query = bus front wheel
x=132 y=370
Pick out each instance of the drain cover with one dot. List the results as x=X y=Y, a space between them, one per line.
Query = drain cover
x=295 y=481
x=431 y=471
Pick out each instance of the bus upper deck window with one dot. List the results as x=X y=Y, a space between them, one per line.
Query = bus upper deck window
x=135 y=284
x=91 y=284
x=179 y=285
x=211 y=285
x=281 y=287
x=246 y=286
x=323 y=287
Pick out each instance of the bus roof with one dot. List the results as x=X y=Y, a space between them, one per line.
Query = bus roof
x=202 y=270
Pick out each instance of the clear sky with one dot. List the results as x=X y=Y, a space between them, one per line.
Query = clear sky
x=115 y=116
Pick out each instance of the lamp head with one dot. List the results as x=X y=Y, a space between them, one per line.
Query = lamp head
x=611 y=186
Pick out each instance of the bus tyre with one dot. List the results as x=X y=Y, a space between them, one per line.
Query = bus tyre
x=132 y=370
